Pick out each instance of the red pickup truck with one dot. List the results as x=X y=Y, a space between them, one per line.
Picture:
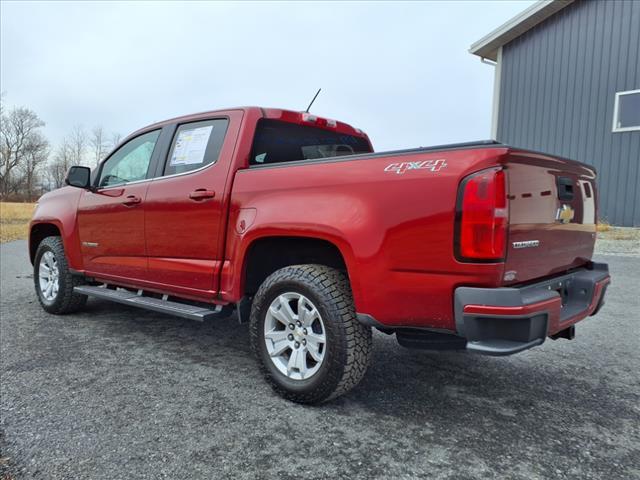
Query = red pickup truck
x=293 y=222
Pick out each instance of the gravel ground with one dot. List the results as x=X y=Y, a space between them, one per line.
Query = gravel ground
x=116 y=392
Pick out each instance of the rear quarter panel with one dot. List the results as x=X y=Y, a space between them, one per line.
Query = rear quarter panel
x=394 y=230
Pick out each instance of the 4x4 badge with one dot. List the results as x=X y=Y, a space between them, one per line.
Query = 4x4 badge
x=400 y=168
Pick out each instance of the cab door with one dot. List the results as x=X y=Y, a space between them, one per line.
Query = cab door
x=111 y=218
x=185 y=208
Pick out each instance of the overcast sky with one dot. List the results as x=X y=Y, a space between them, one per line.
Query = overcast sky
x=400 y=71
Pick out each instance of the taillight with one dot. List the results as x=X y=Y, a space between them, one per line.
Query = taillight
x=482 y=217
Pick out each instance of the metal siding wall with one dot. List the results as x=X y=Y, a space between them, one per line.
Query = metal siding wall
x=558 y=87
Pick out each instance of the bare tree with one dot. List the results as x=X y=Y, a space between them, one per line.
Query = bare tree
x=18 y=129
x=98 y=143
x=77 y=144
x=72 y=151
x=115 y=140
x=36 y=155
x=62 y=160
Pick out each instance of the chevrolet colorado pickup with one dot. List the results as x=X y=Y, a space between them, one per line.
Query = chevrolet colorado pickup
x=294 y=223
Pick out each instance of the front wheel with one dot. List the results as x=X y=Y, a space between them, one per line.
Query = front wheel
x=53 y=280
x=305 y=334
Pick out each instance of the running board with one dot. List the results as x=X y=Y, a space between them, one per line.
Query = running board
x=126 y=297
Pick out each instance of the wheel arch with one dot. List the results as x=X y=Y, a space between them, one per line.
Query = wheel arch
x=40 y=231
x=266 y=254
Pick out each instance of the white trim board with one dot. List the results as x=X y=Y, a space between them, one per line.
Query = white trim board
x=487 y=46
x=497 y=80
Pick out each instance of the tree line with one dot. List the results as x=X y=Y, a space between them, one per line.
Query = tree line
x=30 y=165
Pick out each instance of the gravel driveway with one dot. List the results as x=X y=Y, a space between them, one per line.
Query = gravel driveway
x=116 y=392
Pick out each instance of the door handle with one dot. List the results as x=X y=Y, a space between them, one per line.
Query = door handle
x=132 y=200
x=202 y=194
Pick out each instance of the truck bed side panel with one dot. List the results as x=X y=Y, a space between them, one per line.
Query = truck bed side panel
x=392 y=221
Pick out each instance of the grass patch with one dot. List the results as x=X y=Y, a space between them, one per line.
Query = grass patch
x=603 y=226
x=622 y=235
x=14 y=220
x=619 y=233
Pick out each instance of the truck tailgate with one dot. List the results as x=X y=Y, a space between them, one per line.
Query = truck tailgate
x=552 y=216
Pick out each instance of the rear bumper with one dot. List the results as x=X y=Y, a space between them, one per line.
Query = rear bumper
x=503 y=321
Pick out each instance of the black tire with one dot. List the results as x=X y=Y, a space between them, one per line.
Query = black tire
x=66 y=300
x=348 y=343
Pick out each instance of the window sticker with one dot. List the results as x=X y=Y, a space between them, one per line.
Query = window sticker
x=190 y=146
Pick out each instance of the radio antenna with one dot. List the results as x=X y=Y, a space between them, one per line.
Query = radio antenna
x=314 y=99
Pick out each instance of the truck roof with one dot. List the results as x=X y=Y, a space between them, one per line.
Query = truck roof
x=290 y=116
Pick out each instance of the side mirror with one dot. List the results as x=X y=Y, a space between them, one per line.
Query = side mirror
x=78 y=176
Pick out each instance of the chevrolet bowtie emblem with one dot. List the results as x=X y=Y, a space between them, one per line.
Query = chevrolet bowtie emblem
x=565 y=214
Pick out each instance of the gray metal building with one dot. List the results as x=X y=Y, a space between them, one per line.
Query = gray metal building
x=567 y=82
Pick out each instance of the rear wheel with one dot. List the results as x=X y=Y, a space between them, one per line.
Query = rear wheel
x=53 y=280
x=305 y=334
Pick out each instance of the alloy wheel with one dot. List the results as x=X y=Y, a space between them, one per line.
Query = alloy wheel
x=49 y=276
x=295 y=336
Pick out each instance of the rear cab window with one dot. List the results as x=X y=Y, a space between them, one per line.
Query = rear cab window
x=195 y=145
x=277 y=141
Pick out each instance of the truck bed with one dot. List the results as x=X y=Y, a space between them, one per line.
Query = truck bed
x=393 y=214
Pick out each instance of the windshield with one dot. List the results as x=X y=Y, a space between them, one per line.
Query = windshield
x=277 y=141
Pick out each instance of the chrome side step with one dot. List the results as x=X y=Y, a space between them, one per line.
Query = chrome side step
x=126 y=297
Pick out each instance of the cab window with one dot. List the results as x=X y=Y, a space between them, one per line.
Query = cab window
x=130 y=162
x=277 y=141
x=195 y=145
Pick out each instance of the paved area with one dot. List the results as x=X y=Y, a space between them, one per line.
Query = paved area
x=116 y=392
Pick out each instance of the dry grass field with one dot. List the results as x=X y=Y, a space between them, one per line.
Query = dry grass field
x=14 y=220
x=609 y=232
